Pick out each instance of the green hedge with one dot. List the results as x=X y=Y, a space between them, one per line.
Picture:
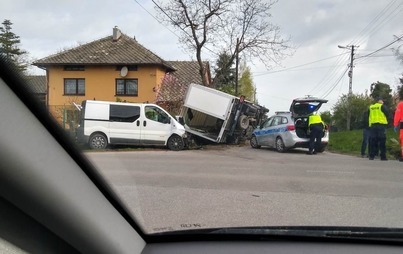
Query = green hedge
x=349 y=142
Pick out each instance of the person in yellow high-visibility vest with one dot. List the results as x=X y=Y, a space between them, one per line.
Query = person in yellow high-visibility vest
x=378 y=121
x=316 y=127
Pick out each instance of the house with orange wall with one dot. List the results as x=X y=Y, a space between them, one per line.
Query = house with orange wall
x=113 y=68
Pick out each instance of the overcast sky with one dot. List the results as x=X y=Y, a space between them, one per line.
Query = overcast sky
x=316 y=28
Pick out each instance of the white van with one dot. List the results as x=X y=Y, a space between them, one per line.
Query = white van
x=103 y=123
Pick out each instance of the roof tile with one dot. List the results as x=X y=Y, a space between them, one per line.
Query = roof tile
x=104 y=51
x=37 y=84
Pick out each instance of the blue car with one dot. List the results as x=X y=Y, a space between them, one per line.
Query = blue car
x=289 y=129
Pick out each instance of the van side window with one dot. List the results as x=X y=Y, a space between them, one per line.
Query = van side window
x=128 y=114
x=156 y=114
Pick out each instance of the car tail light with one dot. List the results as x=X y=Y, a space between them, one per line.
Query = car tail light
x=291 y=127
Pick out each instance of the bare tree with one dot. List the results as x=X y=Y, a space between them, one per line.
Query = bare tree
x=232 y=26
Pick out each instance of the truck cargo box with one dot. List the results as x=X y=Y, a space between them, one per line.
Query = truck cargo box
x=218 y=116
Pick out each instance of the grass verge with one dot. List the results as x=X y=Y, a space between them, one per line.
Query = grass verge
x=349 y=142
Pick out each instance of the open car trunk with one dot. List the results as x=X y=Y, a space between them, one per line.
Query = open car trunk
x=301 y=109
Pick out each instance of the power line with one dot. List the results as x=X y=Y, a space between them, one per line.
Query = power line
x=374 y=52
x=372 y=26
x=156 y=18
x=367 y=55
x=391 y=16
x=376 y=18
x=166 y=14
x=335 y=85
x=297 y=66
x=328 y=77
x=375 y=62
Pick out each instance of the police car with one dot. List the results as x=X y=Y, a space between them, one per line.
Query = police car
x=289 y=129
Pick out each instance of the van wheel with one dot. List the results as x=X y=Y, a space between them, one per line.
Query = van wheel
x=280 y=147
x=98 y=141
x=254 y=143
x=175 y=143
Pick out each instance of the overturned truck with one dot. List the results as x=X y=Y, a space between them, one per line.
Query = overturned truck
x=219 y=117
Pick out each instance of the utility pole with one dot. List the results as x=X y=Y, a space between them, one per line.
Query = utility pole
x=350 y=72
x=350 y=85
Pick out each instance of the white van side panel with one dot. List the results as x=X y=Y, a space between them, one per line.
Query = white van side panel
x=125 y=133
x=155 y=133
x=98 y=111
x=92 y=126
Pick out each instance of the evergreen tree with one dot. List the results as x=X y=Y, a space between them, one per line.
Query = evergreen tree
x=224 y=79
x=9 y=46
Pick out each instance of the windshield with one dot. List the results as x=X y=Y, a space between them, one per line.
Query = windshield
x=123 y=61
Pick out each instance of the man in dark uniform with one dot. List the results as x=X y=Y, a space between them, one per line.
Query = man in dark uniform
x=316 y=127
x=378 y=116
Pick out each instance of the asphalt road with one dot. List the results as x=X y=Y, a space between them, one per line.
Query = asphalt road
x=239 y=186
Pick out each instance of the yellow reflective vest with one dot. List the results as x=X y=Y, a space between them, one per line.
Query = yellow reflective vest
x=314 y=119
x=376 y=115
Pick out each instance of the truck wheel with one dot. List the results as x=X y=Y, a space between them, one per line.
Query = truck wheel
x=280 y=147
x=243 y=122
x=253 y=142
x=98 y=141
x=175 y=143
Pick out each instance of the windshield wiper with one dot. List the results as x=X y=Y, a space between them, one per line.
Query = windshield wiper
x=331 y=233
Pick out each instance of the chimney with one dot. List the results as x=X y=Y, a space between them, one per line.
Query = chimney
x=116 y=33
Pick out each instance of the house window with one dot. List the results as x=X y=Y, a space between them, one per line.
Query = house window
x=127 y=87
x=74 y=86
x=74 y=68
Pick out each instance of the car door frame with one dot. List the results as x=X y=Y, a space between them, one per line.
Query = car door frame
x=155 y=131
